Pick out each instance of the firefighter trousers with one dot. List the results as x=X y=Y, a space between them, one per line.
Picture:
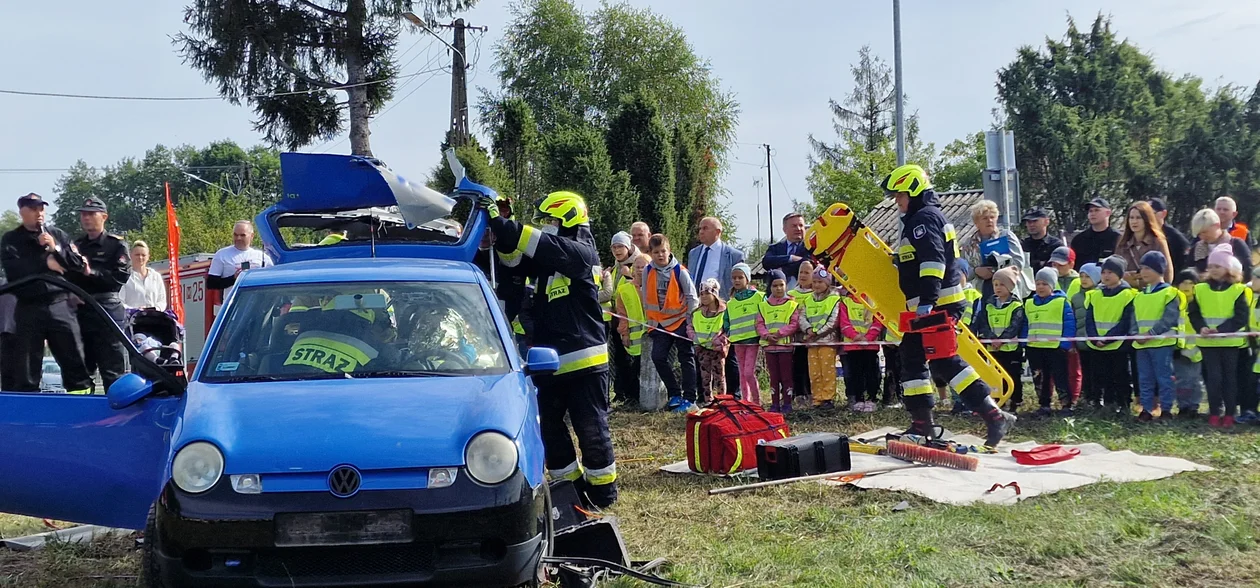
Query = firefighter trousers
x=917 y=372
x=103 y=350
x=584 y=398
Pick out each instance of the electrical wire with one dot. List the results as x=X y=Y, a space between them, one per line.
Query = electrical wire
x=206 y=98
x=780 y=175
x=322 y=149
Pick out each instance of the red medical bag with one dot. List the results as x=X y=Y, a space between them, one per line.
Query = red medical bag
x=722 y=437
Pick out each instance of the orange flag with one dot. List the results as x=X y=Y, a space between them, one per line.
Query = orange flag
x=173 y=292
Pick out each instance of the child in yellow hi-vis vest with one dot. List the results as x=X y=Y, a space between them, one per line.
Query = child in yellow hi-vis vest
x=710 y=328
x=822 y=314
x=778 y=318
x=1187 y=363
x=742 y=311
x=1157 y=310
x=1221 y=305
x=802 y=394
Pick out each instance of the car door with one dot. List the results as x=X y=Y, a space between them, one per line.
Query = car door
x=73 y=458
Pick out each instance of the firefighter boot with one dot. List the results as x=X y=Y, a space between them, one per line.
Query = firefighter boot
x=921 y=419
x=997 y=421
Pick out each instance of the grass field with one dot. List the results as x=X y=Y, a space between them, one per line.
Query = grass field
x=1195 y=529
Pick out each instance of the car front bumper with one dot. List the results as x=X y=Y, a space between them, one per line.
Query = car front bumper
x=465 y=535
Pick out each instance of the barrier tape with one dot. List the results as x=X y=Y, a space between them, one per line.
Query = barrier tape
x=1059 y=339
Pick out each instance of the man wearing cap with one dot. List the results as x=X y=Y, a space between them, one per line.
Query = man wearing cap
x=1039 y=243
x=1098 y=242
x=108 y=267
x=43 y=313
x=1178 y=244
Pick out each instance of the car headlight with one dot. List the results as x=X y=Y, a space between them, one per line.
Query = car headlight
x=197 y=467
x=490 y=458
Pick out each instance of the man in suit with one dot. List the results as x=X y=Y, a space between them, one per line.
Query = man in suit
x=714 y=259
x=788 y=254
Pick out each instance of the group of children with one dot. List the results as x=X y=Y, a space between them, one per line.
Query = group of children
x=1141 y=337
x=1145 y=335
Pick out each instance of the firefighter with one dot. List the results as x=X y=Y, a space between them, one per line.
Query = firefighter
x=567 y=316
x=928 y=276
x=109 y=264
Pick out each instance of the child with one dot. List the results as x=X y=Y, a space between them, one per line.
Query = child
x=742 y=312
x=1156 y=311
x=1002 y=317
x=861 y=362
x=627 y=303
x=1187 y=368
x=820 y=321
x=778 y=317
x=1255 y=327
x=1062 y=260
x=710 y=328
x=1221 y=305
x=1047 y=314
x=669 y=297
x=1109 y=313
x=800 y=355
x=1090 y=275
x=1249 y=371
x=651 y=389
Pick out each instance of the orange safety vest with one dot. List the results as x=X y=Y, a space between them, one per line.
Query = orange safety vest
x=1239 y=231
x=674 y=312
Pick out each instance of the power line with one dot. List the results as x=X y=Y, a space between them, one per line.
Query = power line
x=785 y=188
x=322 y=149
x=206 y=98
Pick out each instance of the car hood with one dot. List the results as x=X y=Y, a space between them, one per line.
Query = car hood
x=313 y=426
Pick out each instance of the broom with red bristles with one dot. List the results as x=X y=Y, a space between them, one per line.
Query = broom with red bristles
x=915 y=456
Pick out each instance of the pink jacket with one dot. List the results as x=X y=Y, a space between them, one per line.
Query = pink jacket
x=794 y=325
x=851 y=335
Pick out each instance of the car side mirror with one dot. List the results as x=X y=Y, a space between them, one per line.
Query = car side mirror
x=541 y=360
x=128 y=390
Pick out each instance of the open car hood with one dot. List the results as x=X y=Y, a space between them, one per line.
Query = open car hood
x=388 y=215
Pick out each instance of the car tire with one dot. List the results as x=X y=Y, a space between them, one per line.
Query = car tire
x=149 y=571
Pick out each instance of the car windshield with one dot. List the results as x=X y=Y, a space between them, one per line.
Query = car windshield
x=356 y=330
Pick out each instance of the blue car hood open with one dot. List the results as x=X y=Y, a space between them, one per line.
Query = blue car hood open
x=313 y=426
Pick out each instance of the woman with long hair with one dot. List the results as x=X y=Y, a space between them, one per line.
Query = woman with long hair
x=1142 y=233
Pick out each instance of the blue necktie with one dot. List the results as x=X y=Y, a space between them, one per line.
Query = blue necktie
x=704 y=257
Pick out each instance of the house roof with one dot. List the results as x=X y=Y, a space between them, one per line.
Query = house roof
x=884 y=219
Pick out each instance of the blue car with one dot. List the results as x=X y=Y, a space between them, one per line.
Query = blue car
x=360 y=415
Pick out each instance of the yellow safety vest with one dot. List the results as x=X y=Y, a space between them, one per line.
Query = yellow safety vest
x=1148 y=307
x=817 y=311
x=972 y=296
x=1073 y=288
x=629 y=296
x=859 y=318
x=1255 y=326
x=706 y=328
x=1189 y=349
x=777 y=317
x=330 y=352
x=743 y=315
x=599 y=285
x=800 y=296
x=1044 y=320
x=1107 y=311
x=999 y=320
x=1216 y=307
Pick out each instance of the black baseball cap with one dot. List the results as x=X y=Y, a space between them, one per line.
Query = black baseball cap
x=1157 y=204
x=93 y=204
x=1099 y=203
x=31 y=200
x=1035 y=213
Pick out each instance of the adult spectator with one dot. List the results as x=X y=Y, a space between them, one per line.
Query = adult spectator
x=1039 y=244
x=1142 y=234
x=1208 y=231
x=43 y=314
x=8 y=342
x=1098 y=242
x=107 y=266
x=1227 y=209
x=145 y=287
x=788 y=253
x=714 y=259
x=989 y=244
x=229 y=262
x=1178 y=243
x=640 y=234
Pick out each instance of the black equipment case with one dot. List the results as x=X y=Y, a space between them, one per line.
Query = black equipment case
x=803 y=455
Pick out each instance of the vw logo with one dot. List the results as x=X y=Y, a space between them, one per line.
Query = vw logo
x=344 y=481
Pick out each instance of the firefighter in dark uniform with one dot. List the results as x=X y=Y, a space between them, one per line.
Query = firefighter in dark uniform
x=559 y=257
x=43 y=313
x=930 y=280
x=108 y=266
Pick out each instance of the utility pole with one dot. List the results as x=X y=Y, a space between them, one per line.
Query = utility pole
x=459 y=85
x=757 y=185
x=769 y=192
x=901 y=118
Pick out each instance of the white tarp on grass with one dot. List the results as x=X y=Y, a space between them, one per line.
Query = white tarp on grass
x=1095 y=464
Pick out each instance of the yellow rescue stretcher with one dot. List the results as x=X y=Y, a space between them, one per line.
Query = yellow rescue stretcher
x=862 y=263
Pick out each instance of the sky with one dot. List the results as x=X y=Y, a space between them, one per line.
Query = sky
x=781 y=74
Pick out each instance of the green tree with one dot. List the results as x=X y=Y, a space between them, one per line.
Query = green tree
x=576 y=159
x=287 y=58
x=639 y=144
x=517 y=146
x=960 y=165
x=9 y=220
x=206 y=217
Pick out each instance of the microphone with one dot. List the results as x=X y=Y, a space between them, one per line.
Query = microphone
x=44 y=232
